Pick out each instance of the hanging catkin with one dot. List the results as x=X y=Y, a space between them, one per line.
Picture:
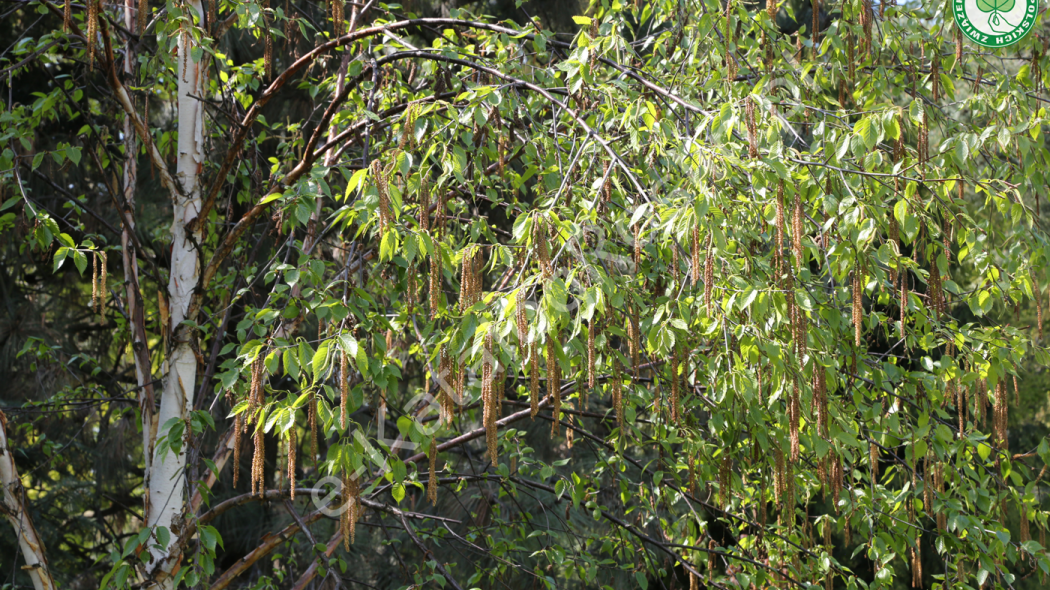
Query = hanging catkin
x=344 y=378
x=408 y=130
x=238 y=425
x=92 y=32
x=338 y=12
x=591 y=329
x=725 y=482
x=796 y=230
x=1001 y=415
x=258 y=484
x=488 y=399
x=352 y=508
x=778 y=474
x=268 y=47
x=67 y=17
x=432 y=480
x=904 y=300
x=521 y=321
x=94 y=283
x=916 y=565
x=534 y=379
x=291 y=459
x=858 y=314
x=752 y=126
x=553 y=385
x=709 y=275
x=617 y=394
x=255 y=395
x=424 y=203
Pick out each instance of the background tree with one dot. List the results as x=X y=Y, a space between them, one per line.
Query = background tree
x=619 y=295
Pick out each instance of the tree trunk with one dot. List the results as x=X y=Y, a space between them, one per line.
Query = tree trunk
x=139 y=343
x=167 y=484
x=14 y=509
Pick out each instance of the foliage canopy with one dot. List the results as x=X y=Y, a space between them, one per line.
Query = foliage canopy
x=685 y=295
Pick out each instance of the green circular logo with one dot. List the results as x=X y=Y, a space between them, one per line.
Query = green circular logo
x=995 y=23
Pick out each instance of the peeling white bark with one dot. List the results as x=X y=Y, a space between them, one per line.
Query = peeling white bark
x=14 y=510
x=167 y=485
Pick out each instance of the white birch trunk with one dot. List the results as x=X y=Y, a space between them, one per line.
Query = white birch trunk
x=167 y=485
x=14 y=509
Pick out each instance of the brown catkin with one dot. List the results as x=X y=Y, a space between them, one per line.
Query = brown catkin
x=796 y=230
x=858 y=313
x=778 y=474
x=709 y=274
x=67 y=17
x=424 y=203
x=238 y=426
x=291 y=460
x=916 y=566
x=534 y=379
x=344 y=378
x=268 y=47
x=258 y=483
x=352 y=510
x=521 y=321
x=94 y=283
x=935 y=77
x=488 y=399
x=311 y=419
x=725 y=481
x=432 y=480
x=553 y=385
x=607 y=185
x=102 y=285
x=778 y=244
x=408 y=129
x=1002 y=404
x=92 y=31
x=591 y=378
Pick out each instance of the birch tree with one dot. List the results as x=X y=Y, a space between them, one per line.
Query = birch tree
x=701 y=295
